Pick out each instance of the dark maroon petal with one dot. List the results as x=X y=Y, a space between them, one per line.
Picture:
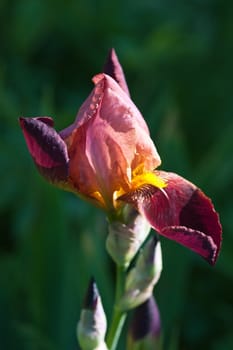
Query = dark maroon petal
x=145 y=320
x=46 y=147
x=196 y=241
x=181 y=212
x=46 y=120
x=113 y=68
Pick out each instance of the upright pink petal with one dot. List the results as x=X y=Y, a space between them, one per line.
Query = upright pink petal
x=111 y=142
x=81 y=172
x=113 y=68
x=181 y=212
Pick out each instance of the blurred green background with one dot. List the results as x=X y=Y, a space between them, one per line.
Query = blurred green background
x=177 y=56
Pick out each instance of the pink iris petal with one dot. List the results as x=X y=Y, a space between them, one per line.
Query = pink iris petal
x=113 y=68
x=110 y=139
x=46 y=147
x=181 y=212
x=81 y=172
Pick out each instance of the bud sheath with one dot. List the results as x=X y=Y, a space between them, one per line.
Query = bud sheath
x=91 y=328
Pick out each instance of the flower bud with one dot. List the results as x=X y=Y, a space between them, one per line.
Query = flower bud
x=91 y=328
x=125 y=238
x=141 y=279
x=145 y=328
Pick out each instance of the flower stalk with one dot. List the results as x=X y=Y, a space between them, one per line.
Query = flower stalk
x=119 y=316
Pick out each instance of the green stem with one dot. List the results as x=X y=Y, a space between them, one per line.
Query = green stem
x=119 y=316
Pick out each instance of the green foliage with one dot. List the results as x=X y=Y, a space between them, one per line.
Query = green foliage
x=177 y=57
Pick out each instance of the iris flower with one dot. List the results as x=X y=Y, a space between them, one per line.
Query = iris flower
x=108 y=158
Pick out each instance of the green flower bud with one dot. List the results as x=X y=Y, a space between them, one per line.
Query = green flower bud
x=91 y=328
x=125 y=238
x=141 y=279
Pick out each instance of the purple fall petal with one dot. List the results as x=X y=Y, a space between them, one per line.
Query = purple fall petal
x=46 y=147
x=145 y=320
x=46 y=120
x=181 y=212
x=113 y=68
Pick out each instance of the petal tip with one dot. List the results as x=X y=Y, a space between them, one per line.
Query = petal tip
x=113 y=68
x=91 y=297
